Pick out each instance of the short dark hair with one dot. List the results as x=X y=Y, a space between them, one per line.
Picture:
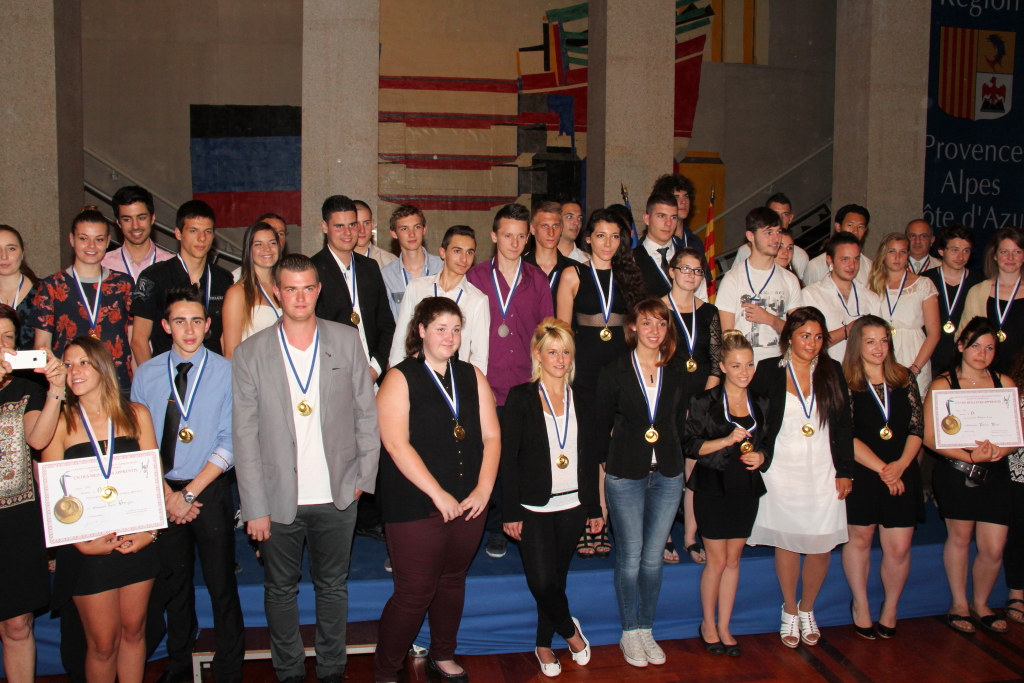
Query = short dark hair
x=89 y=214
x=837 y=240
x=177 y=294
x=131 y=194
x=958 y=231
x=194 y=208
x=270 y=214
x=336 y=203
x=360 y=204
x=8 y=313
x=545 y=206
x=666 y=198
x=426 y=311
x=762 y=217
x=512 y=212
x=570 y=199
x=461 y=230
x=853 y=208
x=625 y=214
x=404 y=211
x=674 y=182
x=294 y=263
x=778 y=198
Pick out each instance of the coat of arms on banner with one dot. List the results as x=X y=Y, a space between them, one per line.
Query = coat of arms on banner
x=976 y=72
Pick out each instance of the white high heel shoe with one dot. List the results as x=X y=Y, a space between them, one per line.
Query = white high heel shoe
x=809 y=632
x=789 y=631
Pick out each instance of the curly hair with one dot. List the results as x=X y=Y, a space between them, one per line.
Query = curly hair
x=628 y=278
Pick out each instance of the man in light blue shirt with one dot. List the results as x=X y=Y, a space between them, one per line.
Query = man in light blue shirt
x=409 y=227
x=188 y=393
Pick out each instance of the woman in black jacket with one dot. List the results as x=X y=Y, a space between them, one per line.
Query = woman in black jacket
x=549 y=474
x=725 y=434
x=640 y=419
x=811 y=433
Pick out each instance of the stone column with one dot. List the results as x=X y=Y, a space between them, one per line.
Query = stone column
x=630 y=100
x=340 y=71
x=881 y=110
x=41 y=161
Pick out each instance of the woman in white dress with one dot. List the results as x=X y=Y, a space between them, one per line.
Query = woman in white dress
x=250 y=304
x=803 y=512
x=910 y=304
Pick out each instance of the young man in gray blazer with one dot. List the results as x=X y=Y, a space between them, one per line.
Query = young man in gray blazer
x=306 y=447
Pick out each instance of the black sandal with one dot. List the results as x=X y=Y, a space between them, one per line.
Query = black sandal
x=695 y=549
x=602 y=547
x=1010 y=610
x=583 y=545
x=989 y=622
x=670 y=547
x=959 y=623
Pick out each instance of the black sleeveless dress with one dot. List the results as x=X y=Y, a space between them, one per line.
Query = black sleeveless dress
x=706 y=352
x=1013 y=327
x=947 y=341
x=870 y=501
x=454 y=463
x=593 y=353
x=988 y=502
x=79 y=574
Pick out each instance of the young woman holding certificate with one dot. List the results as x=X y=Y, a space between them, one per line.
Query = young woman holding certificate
x=972 y=487
x=110 y=577
x=997 y=298
x=887 y=426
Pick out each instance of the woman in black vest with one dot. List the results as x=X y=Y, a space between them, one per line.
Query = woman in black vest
x=972 y=487
x=550 y=476
x=442 y=440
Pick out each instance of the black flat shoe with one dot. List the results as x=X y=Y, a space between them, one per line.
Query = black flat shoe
x=452 y=678
x=863 y=632
x=733 y=650
x=714 y=648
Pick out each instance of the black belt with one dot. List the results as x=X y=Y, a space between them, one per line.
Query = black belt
x=976 y=474
x=177 y=484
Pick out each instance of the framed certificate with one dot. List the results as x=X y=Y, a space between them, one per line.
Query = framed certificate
x=80 y=505
x=963 y=417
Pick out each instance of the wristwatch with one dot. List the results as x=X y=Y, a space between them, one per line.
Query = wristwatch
x=188 y=496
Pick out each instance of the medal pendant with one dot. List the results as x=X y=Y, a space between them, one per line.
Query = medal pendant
x=606 y=334
x=186 y=435
x=950 y=424
x=94 y=335
x=651 y=435
x=807 y=429
x=1001 y=336
x=746 y=447
x=354 y=318
x=459 y=432
x=68 y=510
x=503 y=330
x=949 y=327
x=562 y=461
x=304 y=408
x=691 y=365
x=885 y=433
x=892 y=330
x=108 y=494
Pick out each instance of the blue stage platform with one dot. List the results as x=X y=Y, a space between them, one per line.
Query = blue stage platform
x=500 y=614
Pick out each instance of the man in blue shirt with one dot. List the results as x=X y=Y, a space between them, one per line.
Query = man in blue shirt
x=409 y=228
x=188 y=393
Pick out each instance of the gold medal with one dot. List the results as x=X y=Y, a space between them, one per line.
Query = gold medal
x=651 y=435
x=892 y=330
x=68 y=510
x=746 y=447
x=950 y=424
x=562 y=461
x=354 y=318
x=459 y=432
x=108 y=494
x=1001 y=336
x=885 y=433
x=186 y=435
x=949 y=327
x=606 y=334
x=304 y=408
x=691 y=365
x=807 y=429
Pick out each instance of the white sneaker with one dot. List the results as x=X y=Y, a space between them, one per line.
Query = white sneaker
x=655 y=655
x=549 y=670
x=789 y=631
x=809 y=632
x=633 y=648
x=583 y=656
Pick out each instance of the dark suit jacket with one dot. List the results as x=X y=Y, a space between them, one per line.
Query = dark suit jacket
x=622 y=408
x=526 y=456
x=335 y=303
x=770 y=381
x=706 y=421
x=694 y=242
x=657 y=285
x=561 y=263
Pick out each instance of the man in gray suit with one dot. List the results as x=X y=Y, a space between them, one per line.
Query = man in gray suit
x=306 y=446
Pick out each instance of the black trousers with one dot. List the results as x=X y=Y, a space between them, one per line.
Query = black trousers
x=213 y=534
x=1013 y=554
x=547 y=545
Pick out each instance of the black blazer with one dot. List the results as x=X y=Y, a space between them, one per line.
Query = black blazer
x=335 y=303
x=707 y=421
x=526 y=456
x=770 y=381
x=621 y=420
x=555 y=276
x=656 y=284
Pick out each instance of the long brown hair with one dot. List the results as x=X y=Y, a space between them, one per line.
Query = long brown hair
x=250 y=283
x=426 y=312
x=879 y=276
x=654 y=308
x=1015 y=235
x=825 y=377
x=896 y=376
x=628 y=278
x=25 y=270
x=114 y=403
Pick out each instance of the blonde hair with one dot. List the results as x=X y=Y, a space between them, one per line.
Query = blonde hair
x=733 y=340
x=552 y=330
x=117 y=407
x=879 y=276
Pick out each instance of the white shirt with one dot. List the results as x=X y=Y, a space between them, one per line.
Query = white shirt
x=652 y=248
x=476 y=314
x=311 y=462
x=824 y=295
x=349 y=274
x=817 y=270
x=777 y=297
x=578 y=254
x=927 y=263
x=564 y=485
x=799 y=263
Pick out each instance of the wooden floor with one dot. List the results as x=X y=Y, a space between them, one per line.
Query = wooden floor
x=924 y=650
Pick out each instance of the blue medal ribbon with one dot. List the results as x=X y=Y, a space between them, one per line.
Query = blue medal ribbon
x=651 y=411
x=309 y=378
x=856 y=299
x=566 y=402
x=691 y=336
x=451 y=399
x=270 y=302
x=457 y=299
x=757 y=295
x=808 y=408
x=131 y=271
x=882 y=405
x=945 y=292
x=728 y=414
x=97 y=451
x=888 y=302
x=503 y=304
x=606 y=304
x=1002 y=313
x=92 y=312
x=186 y=408
x=14 y=299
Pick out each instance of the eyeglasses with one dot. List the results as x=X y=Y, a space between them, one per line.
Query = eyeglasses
x=687 y=270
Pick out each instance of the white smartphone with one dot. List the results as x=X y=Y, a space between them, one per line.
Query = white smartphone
x=22 y=360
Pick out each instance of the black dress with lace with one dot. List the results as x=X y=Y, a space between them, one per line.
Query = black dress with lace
x=870 y=501
x=707 y=351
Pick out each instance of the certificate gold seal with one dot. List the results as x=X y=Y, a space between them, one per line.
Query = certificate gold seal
x=807 y=429
x=950 y=424
x=562 y=461
x=746 y=447
x=68 y=510
x=691 y=365
x=304 y=408
x=885 y=433
x=354 y=318
x=606 y=334
x=108 y=494
x=949 y=327
x=459 y=432
x=651 y=435
x=186 y=435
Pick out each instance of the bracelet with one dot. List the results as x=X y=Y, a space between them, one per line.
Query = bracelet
x=61 y=397
x=154 y=534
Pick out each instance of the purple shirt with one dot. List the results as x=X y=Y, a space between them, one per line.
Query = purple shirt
x=509 y=362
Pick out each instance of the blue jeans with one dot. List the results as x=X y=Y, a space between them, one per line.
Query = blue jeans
x=642 y=512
